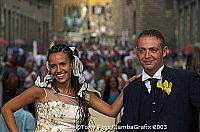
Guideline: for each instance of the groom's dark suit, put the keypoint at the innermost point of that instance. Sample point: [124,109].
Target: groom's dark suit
[179,110]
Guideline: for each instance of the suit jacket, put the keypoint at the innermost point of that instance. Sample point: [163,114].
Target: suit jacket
[178,111]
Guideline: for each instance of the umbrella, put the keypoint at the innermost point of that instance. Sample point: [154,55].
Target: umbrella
[190,48]
[3,41]
[197,44]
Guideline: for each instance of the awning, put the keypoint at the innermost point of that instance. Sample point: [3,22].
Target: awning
[189,48]
[3,41]
[197,44]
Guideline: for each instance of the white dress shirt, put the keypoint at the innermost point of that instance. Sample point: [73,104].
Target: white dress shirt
[157,75]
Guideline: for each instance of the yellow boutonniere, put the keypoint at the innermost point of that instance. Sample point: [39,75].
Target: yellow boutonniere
[166,86]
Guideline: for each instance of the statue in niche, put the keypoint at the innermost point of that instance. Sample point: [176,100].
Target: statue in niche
[84,18]
[72,22]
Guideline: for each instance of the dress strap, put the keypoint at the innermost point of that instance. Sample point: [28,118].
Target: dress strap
[53,89]
[45,94]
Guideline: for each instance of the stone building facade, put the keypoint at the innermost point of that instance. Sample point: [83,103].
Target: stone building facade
[188,22]
[27,20]
[133,16]
[124,16]
[127,17]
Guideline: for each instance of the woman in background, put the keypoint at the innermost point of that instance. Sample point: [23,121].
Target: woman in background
[111,91]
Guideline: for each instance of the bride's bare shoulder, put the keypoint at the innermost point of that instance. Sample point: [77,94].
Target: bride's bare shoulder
[36,91]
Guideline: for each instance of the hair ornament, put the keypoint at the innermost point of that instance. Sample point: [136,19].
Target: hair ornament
[78,70]
[48,79]
[47,66]
[72,48]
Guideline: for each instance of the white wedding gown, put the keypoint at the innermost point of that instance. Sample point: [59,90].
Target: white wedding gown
[58,113]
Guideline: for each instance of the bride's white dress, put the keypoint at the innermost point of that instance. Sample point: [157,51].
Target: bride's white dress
[58,113]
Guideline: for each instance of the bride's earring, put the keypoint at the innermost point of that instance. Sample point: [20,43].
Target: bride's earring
[72,65]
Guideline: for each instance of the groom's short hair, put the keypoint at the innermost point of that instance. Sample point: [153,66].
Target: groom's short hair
[152,33]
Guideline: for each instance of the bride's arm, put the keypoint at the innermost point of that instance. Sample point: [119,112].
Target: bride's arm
[110,110]
[106,109]
[28,96]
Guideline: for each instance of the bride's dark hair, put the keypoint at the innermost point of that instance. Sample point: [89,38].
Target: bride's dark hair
[62,46]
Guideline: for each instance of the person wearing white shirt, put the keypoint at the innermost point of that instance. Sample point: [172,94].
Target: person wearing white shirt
[162,99]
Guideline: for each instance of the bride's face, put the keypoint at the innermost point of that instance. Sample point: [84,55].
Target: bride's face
[60,66]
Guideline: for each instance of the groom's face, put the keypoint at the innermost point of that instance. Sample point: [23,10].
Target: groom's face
[150,53]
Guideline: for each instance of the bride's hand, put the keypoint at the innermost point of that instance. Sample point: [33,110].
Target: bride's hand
[126,83]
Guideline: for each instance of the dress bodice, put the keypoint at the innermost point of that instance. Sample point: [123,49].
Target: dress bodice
[57,113]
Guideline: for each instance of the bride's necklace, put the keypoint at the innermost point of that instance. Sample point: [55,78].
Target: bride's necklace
[66,95]
[68,92]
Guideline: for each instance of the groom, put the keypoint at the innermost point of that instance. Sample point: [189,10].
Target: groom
[162,99]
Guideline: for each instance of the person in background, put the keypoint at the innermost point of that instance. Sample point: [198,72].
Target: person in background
[39,59]
[193,63]
[24,120]
[10,79]
[89,74]
[177,64]
[100,71]
[129,69]
[11,82]
[111,91]
[30,81]
[120,75]
[21,57]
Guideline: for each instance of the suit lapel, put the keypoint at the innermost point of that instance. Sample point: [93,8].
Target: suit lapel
[163,96]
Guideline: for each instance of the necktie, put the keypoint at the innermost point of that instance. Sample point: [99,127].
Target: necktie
[153,82]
